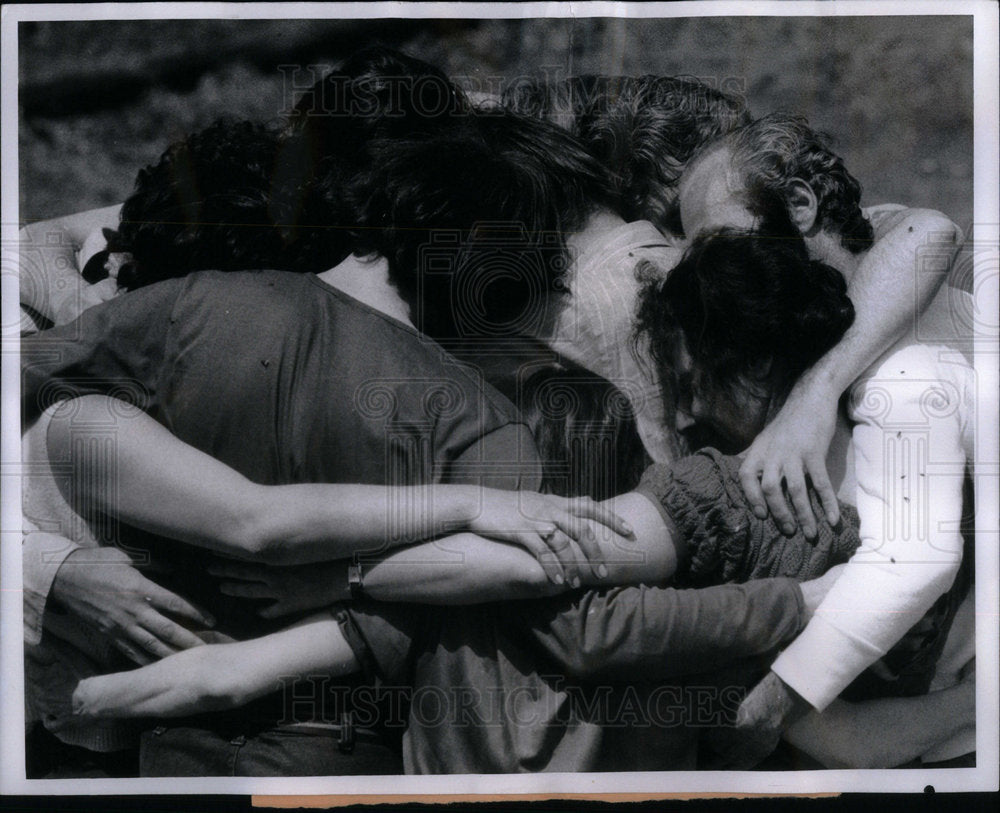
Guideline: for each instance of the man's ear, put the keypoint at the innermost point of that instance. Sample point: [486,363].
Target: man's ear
[802,205]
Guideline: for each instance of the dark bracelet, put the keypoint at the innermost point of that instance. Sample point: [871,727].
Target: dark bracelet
[355,582]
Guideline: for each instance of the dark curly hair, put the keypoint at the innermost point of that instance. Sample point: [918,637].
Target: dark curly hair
[585,432]
[212,201]
[377,90]
[742,303]
[473,219]
[771,152]
[376,93]
[643,129]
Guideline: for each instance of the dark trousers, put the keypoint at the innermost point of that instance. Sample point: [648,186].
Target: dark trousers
[280,751]
[47,757]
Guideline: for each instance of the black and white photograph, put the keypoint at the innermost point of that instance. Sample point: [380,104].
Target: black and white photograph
[495,399]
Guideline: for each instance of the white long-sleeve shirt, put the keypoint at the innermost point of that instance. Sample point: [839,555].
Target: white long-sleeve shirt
[913,415]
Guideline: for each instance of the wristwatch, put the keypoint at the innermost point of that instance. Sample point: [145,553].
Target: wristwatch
[355,581]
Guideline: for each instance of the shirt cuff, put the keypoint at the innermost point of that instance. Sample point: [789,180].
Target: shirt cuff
[42,556]
[813,664]
[381,634]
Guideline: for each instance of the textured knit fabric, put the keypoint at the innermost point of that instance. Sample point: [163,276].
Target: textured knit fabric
[724,541]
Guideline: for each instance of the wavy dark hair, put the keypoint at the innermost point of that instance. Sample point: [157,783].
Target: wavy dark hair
[376,91]
[774,150]
[585,432]
[212,202]
[341,127]
[742,303]
[643,129]
[473,219]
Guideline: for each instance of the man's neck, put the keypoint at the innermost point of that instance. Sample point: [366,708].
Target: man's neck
[827,247]
[367,280]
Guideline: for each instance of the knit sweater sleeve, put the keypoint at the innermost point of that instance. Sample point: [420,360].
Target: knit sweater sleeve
[702,498]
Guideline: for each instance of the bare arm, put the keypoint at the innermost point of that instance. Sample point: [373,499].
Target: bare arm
[96,585]
[895,281]
[460,569]
[446,570]
[887,732]
[160,484]
[157,482]
[217,676]
[49,276]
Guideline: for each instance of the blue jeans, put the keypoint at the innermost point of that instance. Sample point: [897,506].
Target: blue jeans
[279,751]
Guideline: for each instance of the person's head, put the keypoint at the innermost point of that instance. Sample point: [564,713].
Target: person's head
[210,203]
[378,92]
[643,130]
[778,176]
[473,219]
[734,325]
[585,432]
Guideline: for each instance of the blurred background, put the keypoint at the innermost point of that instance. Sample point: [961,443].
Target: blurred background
[99,100]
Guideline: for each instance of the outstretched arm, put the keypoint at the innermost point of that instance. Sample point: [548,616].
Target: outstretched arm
[661,632]
[432,573]
[217,676]
[910,463]
[157,482]
[461,569]
[887,732]
[895,281]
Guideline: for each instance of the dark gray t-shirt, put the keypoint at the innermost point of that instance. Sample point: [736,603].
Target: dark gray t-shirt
[287,380]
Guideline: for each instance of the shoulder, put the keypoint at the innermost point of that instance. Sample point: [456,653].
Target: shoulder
[887,217]
[909,381]
[881,213]
[246,284]
[271,302]
[623,246]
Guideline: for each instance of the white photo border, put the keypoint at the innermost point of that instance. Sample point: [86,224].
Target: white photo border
[987,227]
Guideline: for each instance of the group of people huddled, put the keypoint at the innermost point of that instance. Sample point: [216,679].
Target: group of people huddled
[595,427]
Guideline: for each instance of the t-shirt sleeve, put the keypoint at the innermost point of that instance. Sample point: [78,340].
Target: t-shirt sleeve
[909,463]
[661,632]
[700,496]
[42,555]
[116,348]
[384,637]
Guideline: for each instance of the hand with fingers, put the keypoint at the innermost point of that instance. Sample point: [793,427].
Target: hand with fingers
[290,589]
[769,708]
[102,587]
[559,531]
[57,675]
[789,457]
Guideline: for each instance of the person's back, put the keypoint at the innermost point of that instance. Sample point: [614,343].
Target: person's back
[287,380]
[282,377]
